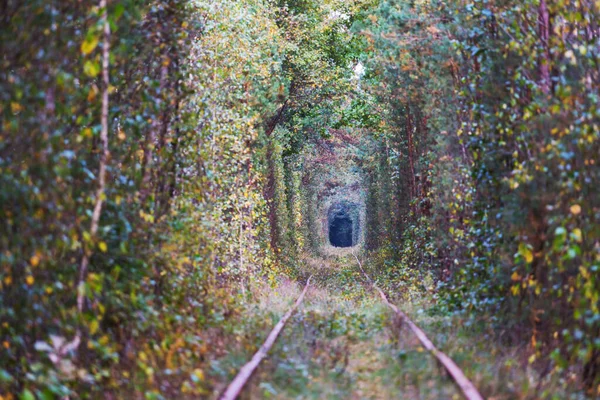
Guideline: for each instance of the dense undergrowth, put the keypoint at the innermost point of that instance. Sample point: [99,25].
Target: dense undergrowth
[502,203]
[165,164]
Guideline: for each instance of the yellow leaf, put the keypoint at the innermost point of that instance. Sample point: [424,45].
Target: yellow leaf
[571,57]
[525,252]
[532,282]
[89,45]
[94,325]
[29,280]
[102,246]
[199,374]
[34,260]
[576,209]
[147,217]
[577,235]
[91,69]
[92,93]
[15,107]
[515,276]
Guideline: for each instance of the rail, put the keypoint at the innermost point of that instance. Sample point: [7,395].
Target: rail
[238,383]
[464,384]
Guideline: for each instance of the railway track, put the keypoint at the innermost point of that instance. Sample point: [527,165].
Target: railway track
[467,388]
[464,384]
[238,383]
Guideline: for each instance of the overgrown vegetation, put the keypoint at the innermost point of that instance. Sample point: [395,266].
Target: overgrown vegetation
[166,166]
[495,107]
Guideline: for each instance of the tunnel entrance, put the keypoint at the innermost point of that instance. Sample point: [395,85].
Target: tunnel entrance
[343,224]
[340,231]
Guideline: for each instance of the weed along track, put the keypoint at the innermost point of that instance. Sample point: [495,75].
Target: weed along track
[466,386]
[236,386]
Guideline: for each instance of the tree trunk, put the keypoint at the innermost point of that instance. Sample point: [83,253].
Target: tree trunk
[411,160]
[544,35]
[269,193]
[103,155]
[100,191]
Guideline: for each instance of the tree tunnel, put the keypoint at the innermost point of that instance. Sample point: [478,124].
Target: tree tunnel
[343,224]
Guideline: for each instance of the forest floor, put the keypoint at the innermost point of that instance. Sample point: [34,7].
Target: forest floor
[344,343]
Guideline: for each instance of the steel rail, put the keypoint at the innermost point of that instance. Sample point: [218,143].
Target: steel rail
[464,384]
[238,383]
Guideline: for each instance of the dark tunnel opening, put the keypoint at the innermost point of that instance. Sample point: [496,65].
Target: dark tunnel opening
[340,231]
[343,224]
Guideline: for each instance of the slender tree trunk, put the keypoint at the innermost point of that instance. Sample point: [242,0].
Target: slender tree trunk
[269,193]
[270,189]
[411,160]
[100,191]
[240,209]
[160,123]
[103,154]
[544,35]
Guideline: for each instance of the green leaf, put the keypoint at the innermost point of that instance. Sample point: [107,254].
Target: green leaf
[559,239]
[119,10]
[5,377]
[27,395]
[46,395]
